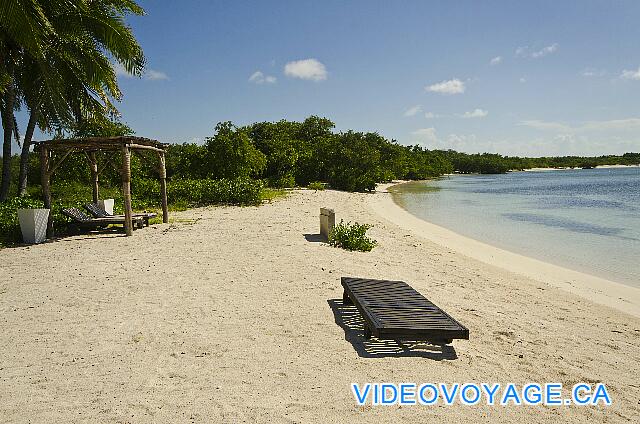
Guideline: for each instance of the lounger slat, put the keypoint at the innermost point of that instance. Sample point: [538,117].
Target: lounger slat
[81,220]
[394,310]
[97,212]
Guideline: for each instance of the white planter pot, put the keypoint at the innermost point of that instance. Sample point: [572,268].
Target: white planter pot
[33,223]
[106,205]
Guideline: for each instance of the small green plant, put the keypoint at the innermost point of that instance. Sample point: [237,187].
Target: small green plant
[316,185]
[352,237]
[237,191]
[270,194]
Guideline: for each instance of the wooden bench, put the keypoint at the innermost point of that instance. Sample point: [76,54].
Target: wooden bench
[394,310]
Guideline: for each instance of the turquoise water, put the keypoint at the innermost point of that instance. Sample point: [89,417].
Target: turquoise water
[586,220]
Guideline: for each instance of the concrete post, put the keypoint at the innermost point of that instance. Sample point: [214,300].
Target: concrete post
[327,222]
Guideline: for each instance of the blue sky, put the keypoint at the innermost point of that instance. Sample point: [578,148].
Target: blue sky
[535,78]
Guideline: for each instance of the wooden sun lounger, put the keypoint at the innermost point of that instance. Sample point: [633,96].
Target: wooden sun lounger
[83,222]
[98,212]
[394,310]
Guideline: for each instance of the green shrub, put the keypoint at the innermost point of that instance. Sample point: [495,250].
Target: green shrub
[353,161]
[283,181]
[239,191]
[231,154]
[145,194]
[351,237]
[269,194]
[9,224]
[316,185]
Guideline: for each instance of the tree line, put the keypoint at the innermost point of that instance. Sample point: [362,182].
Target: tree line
[289,154]
[295,154]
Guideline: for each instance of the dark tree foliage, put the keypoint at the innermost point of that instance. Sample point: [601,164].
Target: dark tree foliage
[288,154]
[230,153]
[279,143]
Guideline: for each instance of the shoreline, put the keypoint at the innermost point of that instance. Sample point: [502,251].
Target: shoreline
[596,289]
[573,169]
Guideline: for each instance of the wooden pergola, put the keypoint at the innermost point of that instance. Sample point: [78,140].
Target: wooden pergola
[124,146]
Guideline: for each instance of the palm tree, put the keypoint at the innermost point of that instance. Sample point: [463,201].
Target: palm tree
[56,58]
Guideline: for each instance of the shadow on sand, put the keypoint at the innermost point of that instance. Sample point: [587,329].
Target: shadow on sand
[67,237]
[315,238]
[348,317]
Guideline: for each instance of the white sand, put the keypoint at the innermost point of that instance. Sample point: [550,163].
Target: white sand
[233,319]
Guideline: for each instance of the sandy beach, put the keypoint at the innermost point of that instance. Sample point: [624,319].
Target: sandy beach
[234,315]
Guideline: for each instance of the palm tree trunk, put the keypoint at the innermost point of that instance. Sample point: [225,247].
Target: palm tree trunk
[7,121]
[24,155]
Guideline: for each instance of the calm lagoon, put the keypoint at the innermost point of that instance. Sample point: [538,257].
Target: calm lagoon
[583,219]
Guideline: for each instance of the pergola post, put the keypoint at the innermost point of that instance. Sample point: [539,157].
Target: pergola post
[163,187]
[126,189]
[94,176]
[46,187]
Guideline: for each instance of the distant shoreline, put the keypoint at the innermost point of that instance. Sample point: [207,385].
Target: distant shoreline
[569,168]
[605,292]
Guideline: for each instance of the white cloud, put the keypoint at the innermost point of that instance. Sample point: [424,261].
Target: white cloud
[496,60]
[460,142]
[632,75]
[428,138]
[552,145]
[592,72]
[413,111]
[149,74]
[523,80]
[545,51]
[307,69]
[152,74]
[521,51]
[256,76]
[524,51]
[561,144]
[476,113]
[120,71]
[259,78]
[453,86]
[543,125]
[425,136]
[608,125]
[612,124]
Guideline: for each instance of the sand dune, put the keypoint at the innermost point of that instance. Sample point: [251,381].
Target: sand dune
[234,315]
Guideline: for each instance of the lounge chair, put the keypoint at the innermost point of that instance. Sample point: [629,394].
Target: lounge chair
[394,310]
[81,221]
[98,212]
